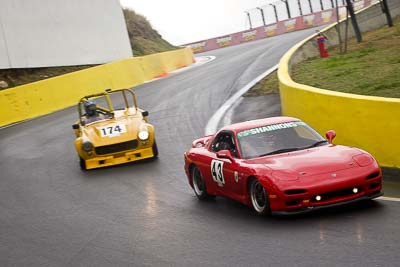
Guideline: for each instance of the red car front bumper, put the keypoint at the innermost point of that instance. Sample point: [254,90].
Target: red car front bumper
[311,193]
[315,208]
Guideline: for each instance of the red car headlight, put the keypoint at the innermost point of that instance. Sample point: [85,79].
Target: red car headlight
[363,160]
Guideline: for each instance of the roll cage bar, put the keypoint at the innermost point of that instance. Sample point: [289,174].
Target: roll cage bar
[107,94]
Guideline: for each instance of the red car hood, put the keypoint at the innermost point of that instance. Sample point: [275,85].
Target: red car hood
[304,163]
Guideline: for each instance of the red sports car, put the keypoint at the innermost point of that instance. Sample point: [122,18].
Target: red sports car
[280,165]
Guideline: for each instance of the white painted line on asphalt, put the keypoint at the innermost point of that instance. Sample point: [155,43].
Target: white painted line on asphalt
[212,124]
[199,61]
[227,120]
[389,199]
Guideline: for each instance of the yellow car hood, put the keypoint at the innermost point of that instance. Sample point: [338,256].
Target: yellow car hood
[111,131]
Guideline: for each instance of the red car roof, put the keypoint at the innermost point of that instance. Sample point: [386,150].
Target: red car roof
[238,127]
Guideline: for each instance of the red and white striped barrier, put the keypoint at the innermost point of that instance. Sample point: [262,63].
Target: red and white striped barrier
[294,24]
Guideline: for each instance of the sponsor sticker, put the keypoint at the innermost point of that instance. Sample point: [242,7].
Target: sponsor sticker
[290,24]
[248,36]
[326,16]
[198,47]
[217,172]
[270,128]
[309,20]
[112,130]
[224,41]
[270,30]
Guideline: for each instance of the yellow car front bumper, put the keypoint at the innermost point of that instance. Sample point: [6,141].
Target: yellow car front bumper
[119,158]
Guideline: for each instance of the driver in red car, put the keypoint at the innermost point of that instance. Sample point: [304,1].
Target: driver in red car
[257,144]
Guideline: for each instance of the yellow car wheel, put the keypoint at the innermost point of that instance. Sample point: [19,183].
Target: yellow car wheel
[155,149]
[82,163]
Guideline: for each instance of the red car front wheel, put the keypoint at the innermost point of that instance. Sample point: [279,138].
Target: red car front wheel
[259,197]
[199,186]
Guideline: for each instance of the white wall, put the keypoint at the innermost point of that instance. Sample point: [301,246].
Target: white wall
[42,33]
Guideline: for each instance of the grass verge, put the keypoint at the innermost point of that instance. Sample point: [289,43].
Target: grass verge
[268,85]
[368,68]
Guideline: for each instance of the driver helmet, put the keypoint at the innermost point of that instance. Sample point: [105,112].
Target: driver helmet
[90,107]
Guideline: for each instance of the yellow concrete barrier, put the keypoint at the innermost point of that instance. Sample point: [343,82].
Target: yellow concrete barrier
[370,123]
[46,96]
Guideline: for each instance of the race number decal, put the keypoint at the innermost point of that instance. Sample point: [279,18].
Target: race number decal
[112,130]
[217,171]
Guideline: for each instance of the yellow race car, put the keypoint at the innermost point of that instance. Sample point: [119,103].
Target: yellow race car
[112,130]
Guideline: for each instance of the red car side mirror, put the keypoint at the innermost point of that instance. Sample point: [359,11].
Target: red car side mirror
[225,154]
[330,135]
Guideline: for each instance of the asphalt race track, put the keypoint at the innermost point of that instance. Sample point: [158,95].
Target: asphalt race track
[145,213]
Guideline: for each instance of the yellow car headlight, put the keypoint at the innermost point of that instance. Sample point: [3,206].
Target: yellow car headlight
[87,146]
[143,135]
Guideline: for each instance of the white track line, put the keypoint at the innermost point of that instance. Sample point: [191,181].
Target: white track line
[389,199]
[212,124]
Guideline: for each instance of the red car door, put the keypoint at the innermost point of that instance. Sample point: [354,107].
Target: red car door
[223,173]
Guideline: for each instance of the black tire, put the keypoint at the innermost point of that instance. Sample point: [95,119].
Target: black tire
[199,186]
[258,197]
[82,163]
[155,149]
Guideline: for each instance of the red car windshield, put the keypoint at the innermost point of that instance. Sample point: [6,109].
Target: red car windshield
[278,138]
